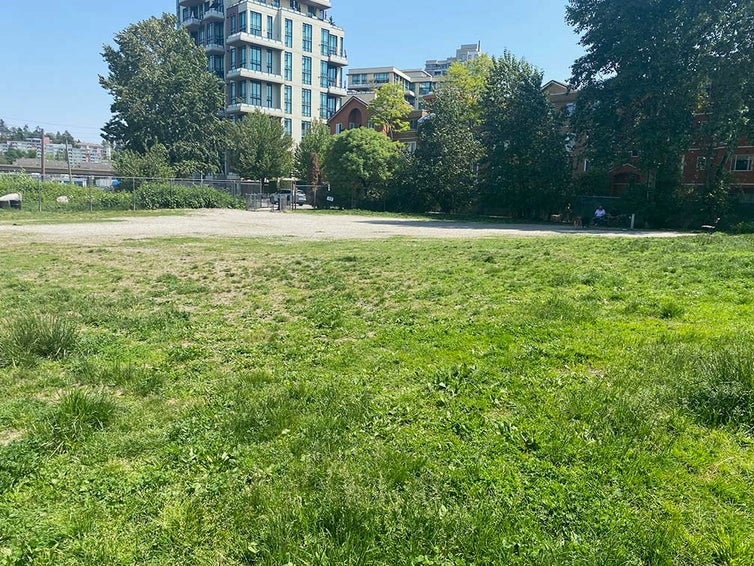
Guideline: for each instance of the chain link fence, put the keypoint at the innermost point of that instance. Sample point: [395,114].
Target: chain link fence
[58,193]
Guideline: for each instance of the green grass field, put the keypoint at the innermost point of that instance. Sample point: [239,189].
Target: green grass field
[536,401]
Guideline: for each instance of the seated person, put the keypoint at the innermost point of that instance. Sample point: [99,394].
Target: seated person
[600,216]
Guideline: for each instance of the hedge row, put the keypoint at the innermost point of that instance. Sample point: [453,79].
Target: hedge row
[151,196]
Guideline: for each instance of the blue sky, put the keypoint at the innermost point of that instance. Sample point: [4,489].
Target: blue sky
[50,63]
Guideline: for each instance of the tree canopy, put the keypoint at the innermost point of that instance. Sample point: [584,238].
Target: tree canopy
[650,68]
[359,165]
[389,109]
[447,154]
[261,148]
[310,153]
[163,94]
[526,166]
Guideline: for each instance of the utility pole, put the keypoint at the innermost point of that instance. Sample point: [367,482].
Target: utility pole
[68,160]
[42,168]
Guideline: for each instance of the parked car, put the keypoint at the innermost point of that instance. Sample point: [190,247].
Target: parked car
[287,194]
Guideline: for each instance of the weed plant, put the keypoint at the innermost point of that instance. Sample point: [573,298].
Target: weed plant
[33,336]
[562,400]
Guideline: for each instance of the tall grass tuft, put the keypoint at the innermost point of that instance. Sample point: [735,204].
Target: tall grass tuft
[76,415]
[721,388]
[37,336]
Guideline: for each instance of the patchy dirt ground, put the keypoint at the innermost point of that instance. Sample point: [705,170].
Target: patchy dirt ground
[245,224]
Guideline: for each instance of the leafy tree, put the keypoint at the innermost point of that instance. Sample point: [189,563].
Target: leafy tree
[389,109]
[310,153]
[261,148]
[447,155]
[360,164]
[527,165]
[151,164]
[469,80]
[649,68]
[12,154]
[163,93]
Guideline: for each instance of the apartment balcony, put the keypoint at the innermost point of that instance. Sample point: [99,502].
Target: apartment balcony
[244,73]
[324,4]
[190,3]
[339,59]
[336,90]
[244,107]
[213,15]
[191,23]
[214,47]
[242,37]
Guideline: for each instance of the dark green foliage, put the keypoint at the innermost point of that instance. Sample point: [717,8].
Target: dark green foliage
[261,150]
[360,165]
[660,77]
[154,163]
[310,153]
[163,94]
[34,336]
[155,195]
[446,160]
[526,167]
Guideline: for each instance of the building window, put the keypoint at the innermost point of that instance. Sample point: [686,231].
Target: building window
[338,128]
[232,93]
[307,38]
[242,57]
[268,95]
[255,24]
[232,58]
[242,91]
[323,74]
[323,106]
[255,93]
[306,102]
[701,163]
[288,66]
[306,70]
[325,45]
[242,21]
[305,127]
[288,126]
[288,33]
[255,59]
[288,100]
[741,163]
[232,24]
[381,78]
[269,61]
[269,27]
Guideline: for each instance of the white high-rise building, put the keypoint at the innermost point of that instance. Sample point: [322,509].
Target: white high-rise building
[285,58]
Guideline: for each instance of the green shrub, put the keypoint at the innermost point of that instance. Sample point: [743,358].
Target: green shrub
[154,196]
[37,336]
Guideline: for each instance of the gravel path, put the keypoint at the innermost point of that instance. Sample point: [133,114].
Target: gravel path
[244,224]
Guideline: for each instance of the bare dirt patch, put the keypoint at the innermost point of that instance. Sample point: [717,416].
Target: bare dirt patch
[245,224]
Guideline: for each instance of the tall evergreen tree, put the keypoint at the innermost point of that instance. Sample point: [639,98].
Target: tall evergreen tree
[447,154]
[526,168]
[261,148]
[310,153]
[163,94]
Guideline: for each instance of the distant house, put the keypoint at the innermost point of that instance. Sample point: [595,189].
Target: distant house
[355,114]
